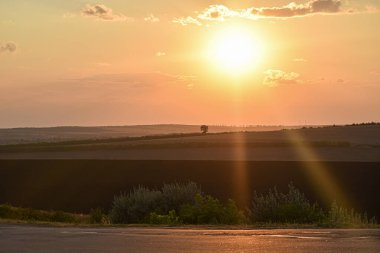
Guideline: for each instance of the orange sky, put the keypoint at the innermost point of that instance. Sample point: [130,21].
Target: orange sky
[191,62]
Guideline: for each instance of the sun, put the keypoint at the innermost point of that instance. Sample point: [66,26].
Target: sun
[235,50]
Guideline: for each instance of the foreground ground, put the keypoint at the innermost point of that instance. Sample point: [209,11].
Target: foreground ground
[50,239]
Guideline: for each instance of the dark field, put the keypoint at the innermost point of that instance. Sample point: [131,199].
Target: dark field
[79,185]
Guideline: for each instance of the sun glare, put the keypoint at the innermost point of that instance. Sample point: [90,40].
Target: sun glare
[235,50]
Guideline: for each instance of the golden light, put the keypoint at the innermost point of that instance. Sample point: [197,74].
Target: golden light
[235,50]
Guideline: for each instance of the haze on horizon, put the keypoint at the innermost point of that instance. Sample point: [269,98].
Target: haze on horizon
[272,62]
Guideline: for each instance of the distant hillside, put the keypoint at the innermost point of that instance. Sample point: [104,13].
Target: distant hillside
[333,143]
[58,134]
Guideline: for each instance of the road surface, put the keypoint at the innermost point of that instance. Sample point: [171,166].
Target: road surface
[21,238]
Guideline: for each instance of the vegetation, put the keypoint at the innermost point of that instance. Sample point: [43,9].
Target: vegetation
[98,217]
[176,195]
[173,204]
[178,203]
[342,217]
[204,129]
[136,206]
[209,210]
[292,207]
[169,219]
[28,214]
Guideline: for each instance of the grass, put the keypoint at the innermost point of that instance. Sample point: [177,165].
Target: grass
[8,212]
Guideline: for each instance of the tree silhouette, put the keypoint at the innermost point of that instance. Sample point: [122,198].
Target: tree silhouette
[204,129]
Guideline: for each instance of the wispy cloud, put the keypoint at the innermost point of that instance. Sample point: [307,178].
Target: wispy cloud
[160,54]
[222,13]
[138,80]
[8,47]
[187,21]
[102,12]
[217,13]
[151,18]
[274,77]
[293,9]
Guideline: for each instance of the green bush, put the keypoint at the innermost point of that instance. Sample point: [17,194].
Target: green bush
[209,210]
[175,195]
[97,216]
[341,217]
[168,219]
[292,207]
[136,206]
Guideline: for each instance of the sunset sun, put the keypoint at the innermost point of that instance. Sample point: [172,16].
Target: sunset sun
[235,51]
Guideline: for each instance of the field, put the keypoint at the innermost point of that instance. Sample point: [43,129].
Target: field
[345,143]
[328,163]
[79,185]
[56,134]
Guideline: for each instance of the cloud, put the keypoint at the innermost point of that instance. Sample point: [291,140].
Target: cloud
[221,12]
[293,9]
[371,9]
[217,13]
[102,12]
[138,80]
[8,47]
[151,18]
[274,78]
[187,21]
[160,54]
[340,80]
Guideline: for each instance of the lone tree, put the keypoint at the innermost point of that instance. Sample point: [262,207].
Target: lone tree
[204,129]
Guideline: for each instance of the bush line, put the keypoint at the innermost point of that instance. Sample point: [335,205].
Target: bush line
[185,203]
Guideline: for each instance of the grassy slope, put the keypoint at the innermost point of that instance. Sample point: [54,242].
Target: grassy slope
[347,136]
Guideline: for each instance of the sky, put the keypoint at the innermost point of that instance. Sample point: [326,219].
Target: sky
[272,62]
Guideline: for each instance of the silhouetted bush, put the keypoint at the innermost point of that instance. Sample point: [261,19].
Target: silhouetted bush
[292,207]
[135,206]
[98,217]
[341,217]
[209,210]
[176,195]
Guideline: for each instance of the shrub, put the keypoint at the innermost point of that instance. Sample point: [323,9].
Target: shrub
[292,207]
[135,206]
[341,217]
[97,216]
[209,210]
[169,219]
[176,195]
